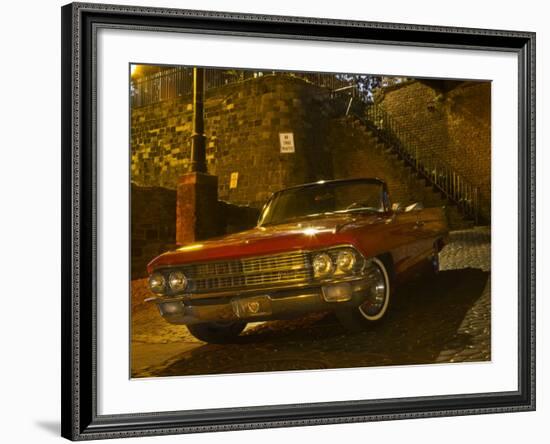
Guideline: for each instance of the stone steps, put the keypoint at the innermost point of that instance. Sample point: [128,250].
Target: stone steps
[432,196]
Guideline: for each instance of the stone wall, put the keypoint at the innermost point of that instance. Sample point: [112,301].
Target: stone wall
[243,122]
[242,125]
[356,153]
[153,225]
[237,218]
[454,125]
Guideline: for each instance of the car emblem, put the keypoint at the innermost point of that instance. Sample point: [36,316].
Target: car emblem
[254,306]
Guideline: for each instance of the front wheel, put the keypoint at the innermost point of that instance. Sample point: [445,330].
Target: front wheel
[217,332]
[376,301]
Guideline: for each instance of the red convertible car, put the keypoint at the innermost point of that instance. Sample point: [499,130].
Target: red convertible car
[334,245]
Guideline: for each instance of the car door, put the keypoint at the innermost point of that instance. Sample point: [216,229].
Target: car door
[418,230]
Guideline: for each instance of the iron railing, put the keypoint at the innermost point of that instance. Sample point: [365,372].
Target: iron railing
[178,81]
[428,166]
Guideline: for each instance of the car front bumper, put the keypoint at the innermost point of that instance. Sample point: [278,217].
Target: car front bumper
[262,306]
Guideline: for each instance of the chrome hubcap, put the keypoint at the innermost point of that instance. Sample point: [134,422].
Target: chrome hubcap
[376,293]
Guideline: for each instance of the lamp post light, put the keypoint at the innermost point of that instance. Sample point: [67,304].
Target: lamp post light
[198,139]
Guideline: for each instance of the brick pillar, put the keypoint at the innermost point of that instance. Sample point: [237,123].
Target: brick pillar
[197,215]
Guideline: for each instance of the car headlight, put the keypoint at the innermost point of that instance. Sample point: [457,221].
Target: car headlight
[339,261]
[345,261]
[177,281]
[157,283]
[322,265]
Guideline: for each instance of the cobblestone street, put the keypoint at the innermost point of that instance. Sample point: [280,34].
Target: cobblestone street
[446,319]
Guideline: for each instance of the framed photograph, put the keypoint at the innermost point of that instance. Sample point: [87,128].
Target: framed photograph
[280,221]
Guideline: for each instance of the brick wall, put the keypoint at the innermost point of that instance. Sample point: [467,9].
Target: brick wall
[455,125]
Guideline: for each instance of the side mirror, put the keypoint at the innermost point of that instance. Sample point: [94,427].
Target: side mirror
[414,207]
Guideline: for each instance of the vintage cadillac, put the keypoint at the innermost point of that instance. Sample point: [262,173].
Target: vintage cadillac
[335,245]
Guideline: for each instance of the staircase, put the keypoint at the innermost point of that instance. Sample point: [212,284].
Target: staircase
[403,145]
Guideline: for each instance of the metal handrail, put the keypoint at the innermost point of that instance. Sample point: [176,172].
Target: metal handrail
[407,146]
[174,82]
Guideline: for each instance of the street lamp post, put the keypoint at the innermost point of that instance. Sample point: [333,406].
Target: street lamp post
[198,139]
[197,208]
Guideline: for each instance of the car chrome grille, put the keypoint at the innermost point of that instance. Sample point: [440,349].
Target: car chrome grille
[275,270]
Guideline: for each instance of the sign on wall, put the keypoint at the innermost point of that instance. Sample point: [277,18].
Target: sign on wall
[286,141]
[233,180]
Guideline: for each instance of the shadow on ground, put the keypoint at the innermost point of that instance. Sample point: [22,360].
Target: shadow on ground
[422,321]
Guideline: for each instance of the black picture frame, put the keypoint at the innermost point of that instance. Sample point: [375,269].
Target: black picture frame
[79,386]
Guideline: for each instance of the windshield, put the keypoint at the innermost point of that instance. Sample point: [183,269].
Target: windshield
[323,198]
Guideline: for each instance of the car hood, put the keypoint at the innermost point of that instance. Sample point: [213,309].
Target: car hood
[304,234]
